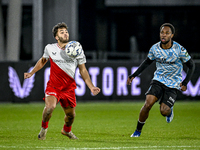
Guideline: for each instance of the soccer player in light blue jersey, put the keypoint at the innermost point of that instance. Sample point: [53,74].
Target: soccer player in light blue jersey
[170,57]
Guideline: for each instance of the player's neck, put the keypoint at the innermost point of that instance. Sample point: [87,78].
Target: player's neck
[62,45]
[167,45]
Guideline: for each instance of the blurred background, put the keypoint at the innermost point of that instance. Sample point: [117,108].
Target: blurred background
[114,32]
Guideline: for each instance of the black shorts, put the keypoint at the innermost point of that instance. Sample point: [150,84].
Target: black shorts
[163,93]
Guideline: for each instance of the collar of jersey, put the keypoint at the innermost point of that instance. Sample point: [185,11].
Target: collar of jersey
[60,47]
[168,48]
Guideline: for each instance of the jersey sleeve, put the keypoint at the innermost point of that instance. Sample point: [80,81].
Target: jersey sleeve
[184,56]
[81,59]
[150,54]
[46,54]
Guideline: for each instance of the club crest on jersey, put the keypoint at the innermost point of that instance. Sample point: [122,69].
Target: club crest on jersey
[170,54]
[163,61]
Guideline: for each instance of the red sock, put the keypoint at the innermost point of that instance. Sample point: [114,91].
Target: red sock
[67,129]
[45,124]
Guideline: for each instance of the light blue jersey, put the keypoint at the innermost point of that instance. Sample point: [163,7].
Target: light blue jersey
[169,63]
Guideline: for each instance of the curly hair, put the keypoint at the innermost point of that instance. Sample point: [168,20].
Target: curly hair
[168,25]
[58,26]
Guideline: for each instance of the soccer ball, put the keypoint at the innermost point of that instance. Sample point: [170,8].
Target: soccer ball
[73,49]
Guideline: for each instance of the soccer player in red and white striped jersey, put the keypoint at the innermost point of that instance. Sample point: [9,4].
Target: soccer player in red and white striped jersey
[61,86]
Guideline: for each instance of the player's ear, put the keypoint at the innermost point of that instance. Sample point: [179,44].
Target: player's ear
[56,37]
[172,35]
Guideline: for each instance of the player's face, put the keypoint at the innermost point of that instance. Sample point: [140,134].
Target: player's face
[165,35]
[62,35]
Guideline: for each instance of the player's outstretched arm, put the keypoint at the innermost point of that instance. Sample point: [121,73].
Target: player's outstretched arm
[39,65]
[129,80]
[142,66]
[85,75]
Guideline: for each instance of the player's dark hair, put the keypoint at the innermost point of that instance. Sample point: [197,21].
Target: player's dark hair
[168,25]
[58,26]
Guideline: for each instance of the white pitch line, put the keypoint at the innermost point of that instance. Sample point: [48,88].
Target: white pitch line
[96,148]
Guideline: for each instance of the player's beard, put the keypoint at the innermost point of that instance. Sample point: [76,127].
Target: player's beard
[63,40]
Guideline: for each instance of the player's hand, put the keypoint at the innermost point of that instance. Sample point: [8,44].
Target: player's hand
[183,87]
[27,75]
[95,90]
[129,80]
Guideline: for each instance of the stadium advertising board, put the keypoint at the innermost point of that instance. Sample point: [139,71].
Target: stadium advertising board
[110,77]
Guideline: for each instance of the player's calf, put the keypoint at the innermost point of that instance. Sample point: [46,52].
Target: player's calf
[165,110]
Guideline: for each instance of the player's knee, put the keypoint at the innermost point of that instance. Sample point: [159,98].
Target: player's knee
[49,109]
[147,106]
[70,115]
[150,100]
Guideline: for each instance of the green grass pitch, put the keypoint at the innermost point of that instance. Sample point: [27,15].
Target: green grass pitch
[106,125]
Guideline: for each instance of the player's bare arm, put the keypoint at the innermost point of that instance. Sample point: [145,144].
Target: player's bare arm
[39,65]
[85,75]
[129,80]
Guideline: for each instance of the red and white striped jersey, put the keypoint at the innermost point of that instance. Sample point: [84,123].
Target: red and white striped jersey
[62,70]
